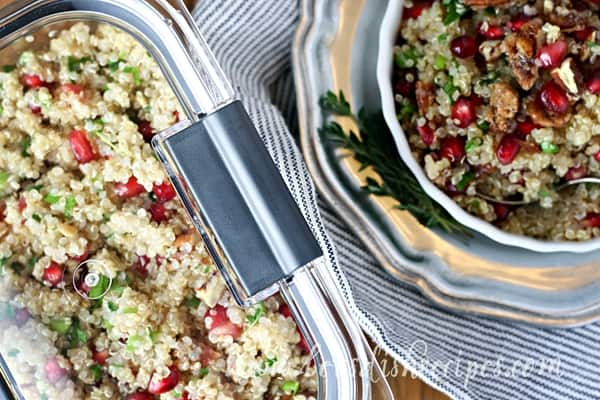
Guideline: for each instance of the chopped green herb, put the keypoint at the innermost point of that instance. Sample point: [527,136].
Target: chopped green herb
[450,89]
[484,126]
[37,188]
[60,325]
[130,310]
[32,261]
[192,302]
[69,206]
[290,387]
[176,393]
[133,342]
[442,38]
[114,65]
[8,68]
[543,193]
[36,217]
[153,335]
[592,44]
[269,362]
[3,178]
[51,199]
[489,78]
[203,372]
[464,181]
[96,370]
[112,306]
[455,9]
[549,148]
[76,335]
[407,58]
[135,73]
[439,62]
[107,325]
[407,110]
[74,63]
[259,311]
[100,289]
[206,269]
[25,144]
[490,10]
[148,109]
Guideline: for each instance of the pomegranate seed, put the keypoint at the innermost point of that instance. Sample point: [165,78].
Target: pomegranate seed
[176,116]
[53,274]
[129,189]
[592,220]
[426,133]
[404,87]
[576,173]
[553,98]
[140,396]
[22,204]
[517,23]
[453,148]
[583,34]
[165,384]
[146,130]
[551,55]
[501,211]
[101,356]
[54,372]
[21,316]
[2,211]
[597,156]
[32,81]
[164,192]
[593,83]
[82,147]
[463,112]
[141,264]
[490,32]
[508,149]
[218,323]
[35,109]
[185,396]
[158,212]
[159,259]
[416,10]
[463,46]
[71,88]
[524,128]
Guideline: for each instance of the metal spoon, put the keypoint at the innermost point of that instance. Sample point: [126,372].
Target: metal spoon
[525,202]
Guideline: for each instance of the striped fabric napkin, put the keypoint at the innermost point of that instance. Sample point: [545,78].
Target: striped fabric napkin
[467,357]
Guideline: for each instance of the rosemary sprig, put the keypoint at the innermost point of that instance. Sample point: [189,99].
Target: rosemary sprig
[374,147]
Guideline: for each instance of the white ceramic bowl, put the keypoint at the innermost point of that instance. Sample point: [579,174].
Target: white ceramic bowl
[387,38]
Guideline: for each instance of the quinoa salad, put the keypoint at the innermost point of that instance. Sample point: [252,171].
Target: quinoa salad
[503,98]
[107,291]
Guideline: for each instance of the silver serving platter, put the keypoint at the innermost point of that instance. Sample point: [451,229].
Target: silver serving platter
[336,48]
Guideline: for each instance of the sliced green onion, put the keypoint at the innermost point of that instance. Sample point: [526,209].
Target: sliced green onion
[464,181]
[442,38]
[439,62]
[407,59]
[36,217]
[450,89]
[133,342]
[60,325]
[130,310]
[203,372]
[484,126]
[25,144]
[406,110]
[69,206]
[135,73]
[74,64]
[8,68]
[192,302]
[51,199]
[543,193]
[112,306]
[549,148]
[259,311]
[96,370]
[3,178]
[290,387]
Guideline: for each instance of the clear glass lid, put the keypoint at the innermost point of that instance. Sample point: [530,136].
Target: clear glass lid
[115,280]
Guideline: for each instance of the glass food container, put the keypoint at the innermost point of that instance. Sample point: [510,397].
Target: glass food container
[106,290]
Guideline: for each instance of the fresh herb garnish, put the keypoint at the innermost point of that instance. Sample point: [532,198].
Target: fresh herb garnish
[407,58]
[3,178]
[96,370]
[60,325]
[375,148]
[407,110]
[8,68]
[76,335]
[135,73]
[69,206]
[484,126]
[74,63]
[114,65]
[51,199]
[450,89]
[489,78]
[36,217]
[25,144]
[465,180]
[112,306]
[455,9]
[259,311]
[442,38]
[439,62]
[203,372]
[549,148]
[290,387]
[192,302]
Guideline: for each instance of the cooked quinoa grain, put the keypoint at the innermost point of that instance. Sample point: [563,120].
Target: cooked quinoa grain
[106,290]
[511,92]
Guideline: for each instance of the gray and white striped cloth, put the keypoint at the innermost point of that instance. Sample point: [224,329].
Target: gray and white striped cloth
[468,357]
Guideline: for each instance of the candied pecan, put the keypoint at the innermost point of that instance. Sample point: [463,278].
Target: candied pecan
[504,101]
[568,76]
[571,20]
[425,96]
[540,117]
[521,49]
